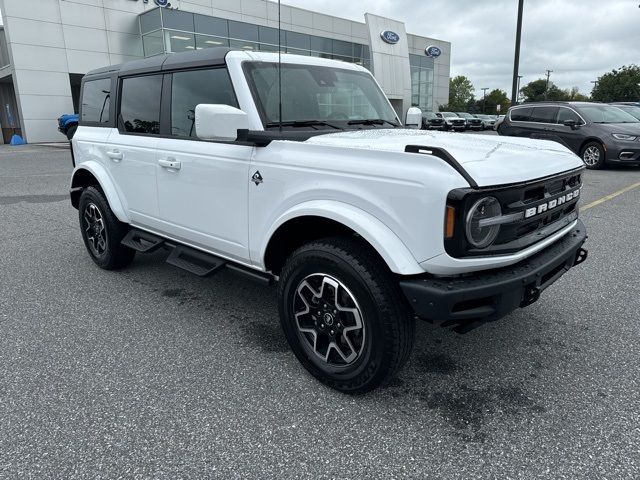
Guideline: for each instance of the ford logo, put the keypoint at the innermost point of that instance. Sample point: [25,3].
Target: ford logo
[163,3]
[390,37]
[433,51]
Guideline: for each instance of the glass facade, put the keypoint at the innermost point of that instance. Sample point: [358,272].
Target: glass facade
[166,31]
[421,82]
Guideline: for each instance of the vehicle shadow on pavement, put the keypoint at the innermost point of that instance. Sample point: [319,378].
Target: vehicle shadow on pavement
[472,382]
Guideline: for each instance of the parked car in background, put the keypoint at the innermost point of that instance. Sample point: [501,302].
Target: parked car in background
[67,124]
[488,121]
[431,121]
[631,109]
[453,121]
[599,133]
[499,120]
[471,122]
[634,104]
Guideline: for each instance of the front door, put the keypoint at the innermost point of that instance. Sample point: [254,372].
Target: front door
[203,186]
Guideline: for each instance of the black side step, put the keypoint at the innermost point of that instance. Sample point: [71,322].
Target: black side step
[195,261]
[140,241]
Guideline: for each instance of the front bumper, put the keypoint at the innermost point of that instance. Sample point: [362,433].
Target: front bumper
[627,153]
[467,302]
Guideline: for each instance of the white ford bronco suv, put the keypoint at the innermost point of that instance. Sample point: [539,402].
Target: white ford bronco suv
[364,225]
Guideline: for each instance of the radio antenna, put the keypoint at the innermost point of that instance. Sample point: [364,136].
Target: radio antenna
[279,71]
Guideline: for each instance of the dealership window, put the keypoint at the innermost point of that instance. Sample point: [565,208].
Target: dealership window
[153,43]
[190,89]
[179,41]
[96,101]
[140,104]
[182,31]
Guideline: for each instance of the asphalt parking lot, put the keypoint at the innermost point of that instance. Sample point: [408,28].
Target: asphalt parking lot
[155,373]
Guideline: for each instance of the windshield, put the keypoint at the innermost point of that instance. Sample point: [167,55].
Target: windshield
[465,115]
[631,110]
[318,96]
[606,114]
[429,115]
[449,115]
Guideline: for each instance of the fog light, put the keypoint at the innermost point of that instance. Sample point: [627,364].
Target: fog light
[482,237]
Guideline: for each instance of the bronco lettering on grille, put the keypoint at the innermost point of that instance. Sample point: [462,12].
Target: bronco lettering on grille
[556,202]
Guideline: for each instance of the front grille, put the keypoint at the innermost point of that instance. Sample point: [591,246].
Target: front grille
[532,212]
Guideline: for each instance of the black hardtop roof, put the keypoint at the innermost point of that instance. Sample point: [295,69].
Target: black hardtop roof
[169,61]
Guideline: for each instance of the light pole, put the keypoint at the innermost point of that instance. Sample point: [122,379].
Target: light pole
[546,90]
[518,90]
[484,100]
[516,58]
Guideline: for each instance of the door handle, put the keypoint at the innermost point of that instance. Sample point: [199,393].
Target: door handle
[115,155]
[171,163]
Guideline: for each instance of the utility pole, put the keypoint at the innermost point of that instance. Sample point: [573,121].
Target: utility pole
[484,100]
[516,59]
[518,90]
[546,90]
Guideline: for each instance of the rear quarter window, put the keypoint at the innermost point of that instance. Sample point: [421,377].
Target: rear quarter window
[96,101]
[521,114]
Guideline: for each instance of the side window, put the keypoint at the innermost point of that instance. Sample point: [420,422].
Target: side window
[140,104]
[521,114]
[568,114]
[195,87]
[544,114]
[96,101]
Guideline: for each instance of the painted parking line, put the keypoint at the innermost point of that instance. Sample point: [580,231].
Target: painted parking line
[609,197]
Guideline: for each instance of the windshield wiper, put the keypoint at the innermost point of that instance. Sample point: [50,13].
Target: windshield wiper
[371,121]
[303,123]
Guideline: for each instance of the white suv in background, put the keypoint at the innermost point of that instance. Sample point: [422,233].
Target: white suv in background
[363,224]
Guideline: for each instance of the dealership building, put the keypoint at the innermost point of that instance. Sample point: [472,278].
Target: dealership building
[47,45]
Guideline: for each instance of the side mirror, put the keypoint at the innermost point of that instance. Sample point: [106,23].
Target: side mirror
[219,122]
[414,118]
[571,123]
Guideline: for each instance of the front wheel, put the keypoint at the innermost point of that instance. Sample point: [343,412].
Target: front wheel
[344,315]
[102,232]
[593,155]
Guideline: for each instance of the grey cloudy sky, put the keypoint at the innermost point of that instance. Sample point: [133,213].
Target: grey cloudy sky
[578,39]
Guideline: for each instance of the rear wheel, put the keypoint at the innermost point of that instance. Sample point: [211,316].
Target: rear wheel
[102,232]
[343,314]
[593,155]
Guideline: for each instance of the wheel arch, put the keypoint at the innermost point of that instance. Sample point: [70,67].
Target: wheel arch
[316,220]
[92,174]
[589,140]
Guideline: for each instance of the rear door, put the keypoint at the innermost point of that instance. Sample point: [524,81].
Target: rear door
[542,122]
[202,186]
[132,147]
[519,122]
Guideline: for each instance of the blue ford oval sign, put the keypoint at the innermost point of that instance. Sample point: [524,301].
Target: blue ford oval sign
[390,37]
[433,51]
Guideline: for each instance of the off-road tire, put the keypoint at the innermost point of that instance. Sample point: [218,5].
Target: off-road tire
[113,255]
[389,325]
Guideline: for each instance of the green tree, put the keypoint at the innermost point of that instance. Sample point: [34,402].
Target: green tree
[460,94]
[537,91]
[619,85]
[495,97]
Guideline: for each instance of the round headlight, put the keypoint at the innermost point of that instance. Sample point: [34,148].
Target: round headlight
[481,236]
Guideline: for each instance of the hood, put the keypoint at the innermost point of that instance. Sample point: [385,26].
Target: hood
[628,128]
[489,160]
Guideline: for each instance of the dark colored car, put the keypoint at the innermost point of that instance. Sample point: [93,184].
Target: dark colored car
[431,121]
[67,124]
[598,132]
[470,121]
